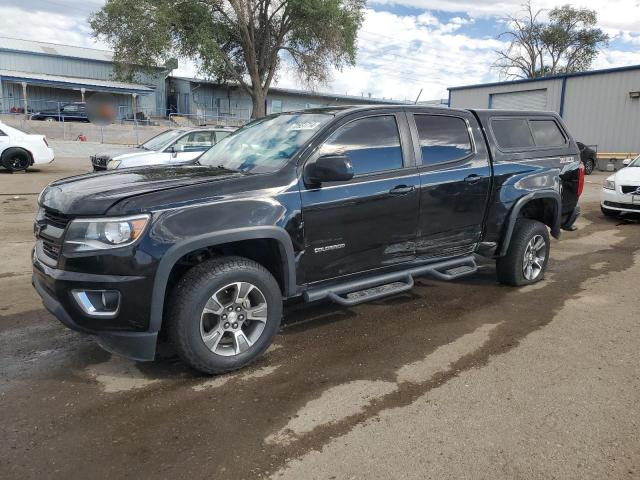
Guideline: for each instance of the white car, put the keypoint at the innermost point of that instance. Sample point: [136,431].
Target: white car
[172,147]
[621,191]
[20,150]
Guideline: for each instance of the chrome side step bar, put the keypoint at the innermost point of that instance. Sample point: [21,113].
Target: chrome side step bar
[372,288]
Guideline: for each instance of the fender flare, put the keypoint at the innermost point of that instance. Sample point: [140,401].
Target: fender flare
[515,211]
[180,249]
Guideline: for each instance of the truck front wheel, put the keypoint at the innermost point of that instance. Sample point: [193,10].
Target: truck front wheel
[224,314]
[528,254]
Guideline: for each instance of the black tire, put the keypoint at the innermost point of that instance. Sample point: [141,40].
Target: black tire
[192,293]
[16,159]
[589,165]
[510,268]
[609,213]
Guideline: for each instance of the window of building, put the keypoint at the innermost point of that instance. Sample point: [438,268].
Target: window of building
[546,133]
[512,133]
[442,138]
[371,143]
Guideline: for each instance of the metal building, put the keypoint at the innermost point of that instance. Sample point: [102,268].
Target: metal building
[600,107]
[41,75]
[192,96]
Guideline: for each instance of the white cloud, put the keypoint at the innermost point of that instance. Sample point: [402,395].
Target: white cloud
[621,15]
[397,56]
[46,26]
[400,55]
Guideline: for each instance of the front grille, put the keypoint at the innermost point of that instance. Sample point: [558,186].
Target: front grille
[49,230]
[99,161]
[51,249]
[628,206]
[629,188]
[57,220]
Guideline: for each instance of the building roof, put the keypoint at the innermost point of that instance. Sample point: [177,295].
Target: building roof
[304,93]
[54,49]
[554,77]
[75,82]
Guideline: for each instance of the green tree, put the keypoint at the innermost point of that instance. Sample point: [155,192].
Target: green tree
[241,41]
[567,42]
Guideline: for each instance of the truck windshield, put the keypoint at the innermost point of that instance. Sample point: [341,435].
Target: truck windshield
[159,141]
[265,145]
[636,162]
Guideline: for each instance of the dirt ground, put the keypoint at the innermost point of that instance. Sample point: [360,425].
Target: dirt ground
[467,379]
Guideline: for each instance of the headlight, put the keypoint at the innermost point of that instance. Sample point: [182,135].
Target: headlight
[113,164]
[91,234]
[609,184]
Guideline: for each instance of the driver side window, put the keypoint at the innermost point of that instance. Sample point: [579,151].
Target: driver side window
[371,143]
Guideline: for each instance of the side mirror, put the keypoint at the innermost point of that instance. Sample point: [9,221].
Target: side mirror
[328,168]
[626,161]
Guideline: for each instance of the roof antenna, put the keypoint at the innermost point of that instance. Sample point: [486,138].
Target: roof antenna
[418,97]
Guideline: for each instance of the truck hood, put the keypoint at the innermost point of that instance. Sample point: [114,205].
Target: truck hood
[628,176]
[94,194]
[140,153]
[117,151]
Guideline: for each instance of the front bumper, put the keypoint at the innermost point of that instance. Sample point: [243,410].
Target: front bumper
[620,202]
[114,335]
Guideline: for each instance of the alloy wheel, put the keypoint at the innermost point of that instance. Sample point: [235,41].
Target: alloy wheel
[535,255]
[19,162]
[233,318]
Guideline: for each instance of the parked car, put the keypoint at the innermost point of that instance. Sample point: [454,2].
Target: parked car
[172,147]
[588,156]
[621,191]
[346,204]
[20,150]
[71,112]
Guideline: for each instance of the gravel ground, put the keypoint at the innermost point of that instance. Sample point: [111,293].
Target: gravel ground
[467,379]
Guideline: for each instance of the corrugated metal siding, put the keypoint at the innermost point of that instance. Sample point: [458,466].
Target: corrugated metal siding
[83,68]
[46,48]
[45,98]
[206,97]
[479,97]
[599,111]
[597,108]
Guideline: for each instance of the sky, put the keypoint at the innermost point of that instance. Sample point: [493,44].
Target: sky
[404,46]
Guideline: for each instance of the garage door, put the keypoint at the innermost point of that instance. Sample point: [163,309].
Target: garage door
[527,100]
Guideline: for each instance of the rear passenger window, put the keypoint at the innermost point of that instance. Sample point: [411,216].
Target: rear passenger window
[442,138]
[372,144]
[512,133]
[546,133]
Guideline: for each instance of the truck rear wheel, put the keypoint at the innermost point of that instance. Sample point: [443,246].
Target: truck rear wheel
[224,314]
[528,254]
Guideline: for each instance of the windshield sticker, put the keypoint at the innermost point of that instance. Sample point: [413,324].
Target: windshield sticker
[304,126]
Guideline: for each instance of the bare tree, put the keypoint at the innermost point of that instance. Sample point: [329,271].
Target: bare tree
[568,42]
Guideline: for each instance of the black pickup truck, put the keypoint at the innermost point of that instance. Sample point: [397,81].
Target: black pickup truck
[347,204]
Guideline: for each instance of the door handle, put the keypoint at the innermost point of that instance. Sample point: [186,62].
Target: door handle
[402,189]
[473,178]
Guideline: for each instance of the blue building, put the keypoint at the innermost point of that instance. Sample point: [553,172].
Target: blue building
[44,74]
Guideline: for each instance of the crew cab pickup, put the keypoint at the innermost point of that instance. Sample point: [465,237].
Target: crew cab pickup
[346,204]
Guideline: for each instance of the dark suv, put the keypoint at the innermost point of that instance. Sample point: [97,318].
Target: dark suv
[70,112]
[345,204]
